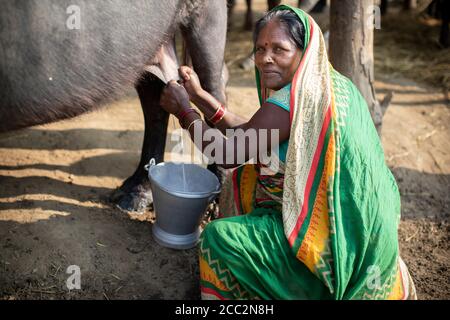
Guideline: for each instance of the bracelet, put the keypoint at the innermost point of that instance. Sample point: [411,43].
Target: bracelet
[220,113]
[181,115]
[189,127]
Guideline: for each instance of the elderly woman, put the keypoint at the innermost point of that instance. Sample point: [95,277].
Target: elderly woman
[324,225]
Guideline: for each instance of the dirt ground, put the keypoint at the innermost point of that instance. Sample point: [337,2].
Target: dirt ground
[55,181]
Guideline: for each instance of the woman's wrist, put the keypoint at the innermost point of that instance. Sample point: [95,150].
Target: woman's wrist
[198,97]
[206,103]
[189,118]
[218,115]
[185,115]
[184,112]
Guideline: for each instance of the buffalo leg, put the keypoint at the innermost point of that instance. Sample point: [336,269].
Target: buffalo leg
[308,5]
[207,59]
[383,6]
[248,24]
[319,7]
[444,35]
[205,40]
[230,9]
[134,194]
[272,4]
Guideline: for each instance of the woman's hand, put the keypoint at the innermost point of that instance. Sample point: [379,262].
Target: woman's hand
[190,81]
[174,98]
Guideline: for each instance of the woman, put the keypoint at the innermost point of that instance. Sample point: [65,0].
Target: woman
[324,226]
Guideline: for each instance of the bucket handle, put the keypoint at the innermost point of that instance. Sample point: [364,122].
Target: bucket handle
[151,163]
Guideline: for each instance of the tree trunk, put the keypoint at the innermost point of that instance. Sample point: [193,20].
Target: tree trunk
[351,49]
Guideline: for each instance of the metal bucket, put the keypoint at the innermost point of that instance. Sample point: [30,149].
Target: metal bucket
[180,200]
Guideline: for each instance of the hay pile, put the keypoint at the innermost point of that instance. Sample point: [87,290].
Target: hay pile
[408,45]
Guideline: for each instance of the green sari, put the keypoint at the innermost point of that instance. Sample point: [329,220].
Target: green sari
[324,225]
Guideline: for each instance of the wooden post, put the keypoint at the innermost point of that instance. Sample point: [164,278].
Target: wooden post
[351,49]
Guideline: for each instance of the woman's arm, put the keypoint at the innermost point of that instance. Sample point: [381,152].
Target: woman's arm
[267,123]
[206,103]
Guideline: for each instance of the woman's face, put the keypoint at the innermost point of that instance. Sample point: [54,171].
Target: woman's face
[276,56]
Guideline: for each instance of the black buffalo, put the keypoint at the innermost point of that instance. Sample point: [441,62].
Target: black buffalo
[61,58]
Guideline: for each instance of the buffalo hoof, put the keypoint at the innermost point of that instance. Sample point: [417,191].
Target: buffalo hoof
[133,196]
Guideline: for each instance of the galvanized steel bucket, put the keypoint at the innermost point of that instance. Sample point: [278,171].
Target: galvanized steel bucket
[180,200]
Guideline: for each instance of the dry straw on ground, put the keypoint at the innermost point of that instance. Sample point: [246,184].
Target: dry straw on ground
[407,45]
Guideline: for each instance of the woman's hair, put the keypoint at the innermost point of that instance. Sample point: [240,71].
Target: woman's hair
[289,20]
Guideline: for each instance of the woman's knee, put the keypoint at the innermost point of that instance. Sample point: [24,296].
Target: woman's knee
[215,229]
[223,234]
